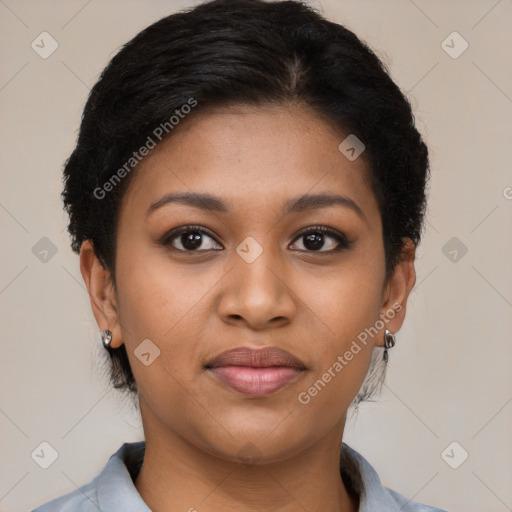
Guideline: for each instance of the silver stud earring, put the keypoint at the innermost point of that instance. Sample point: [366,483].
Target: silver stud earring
[106,339]
[389,342]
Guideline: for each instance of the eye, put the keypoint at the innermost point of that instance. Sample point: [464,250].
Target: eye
[189,239]
[314,240]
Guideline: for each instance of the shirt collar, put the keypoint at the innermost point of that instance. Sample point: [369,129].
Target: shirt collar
[116,490]
[373,495]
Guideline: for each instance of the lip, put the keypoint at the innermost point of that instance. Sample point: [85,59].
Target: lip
[256,373]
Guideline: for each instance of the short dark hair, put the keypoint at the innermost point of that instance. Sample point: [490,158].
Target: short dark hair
[249,52]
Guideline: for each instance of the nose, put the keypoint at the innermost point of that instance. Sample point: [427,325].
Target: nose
[258,294]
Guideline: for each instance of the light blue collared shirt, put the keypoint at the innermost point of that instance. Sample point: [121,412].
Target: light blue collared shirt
[113,490]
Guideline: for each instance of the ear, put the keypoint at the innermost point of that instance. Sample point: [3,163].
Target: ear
[397,290]
[101,292]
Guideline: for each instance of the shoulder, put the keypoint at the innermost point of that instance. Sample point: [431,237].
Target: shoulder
[111,489]
[374,496]
[406,505]
[84,499]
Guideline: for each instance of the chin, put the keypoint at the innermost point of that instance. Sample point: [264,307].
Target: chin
[258,446]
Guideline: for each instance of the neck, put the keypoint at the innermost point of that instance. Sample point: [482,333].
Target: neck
[177,475]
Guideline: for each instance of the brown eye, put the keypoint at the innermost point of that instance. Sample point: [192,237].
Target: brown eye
[190,239]
[322,239]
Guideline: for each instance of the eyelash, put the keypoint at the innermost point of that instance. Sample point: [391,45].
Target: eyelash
[343,242]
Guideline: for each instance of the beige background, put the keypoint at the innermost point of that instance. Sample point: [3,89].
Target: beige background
[450,374]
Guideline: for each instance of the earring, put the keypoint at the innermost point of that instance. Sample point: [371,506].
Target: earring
[389,342]
[106,339]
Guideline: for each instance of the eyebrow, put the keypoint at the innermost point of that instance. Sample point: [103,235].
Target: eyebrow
[216,204]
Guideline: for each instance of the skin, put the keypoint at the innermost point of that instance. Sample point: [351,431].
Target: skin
[195,305]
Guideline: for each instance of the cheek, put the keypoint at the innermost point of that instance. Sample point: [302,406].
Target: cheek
[341,354]
[347,302]
[343,334]
[168,305]
[155,295]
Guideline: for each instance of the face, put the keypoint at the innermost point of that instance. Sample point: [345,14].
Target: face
[258,263]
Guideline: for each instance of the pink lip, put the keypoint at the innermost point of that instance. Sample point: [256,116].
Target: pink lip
[256,373]
[256,382]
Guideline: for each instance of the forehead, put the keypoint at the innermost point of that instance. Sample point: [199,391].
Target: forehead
[256,155]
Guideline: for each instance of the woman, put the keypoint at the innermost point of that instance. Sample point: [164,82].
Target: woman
[246,195]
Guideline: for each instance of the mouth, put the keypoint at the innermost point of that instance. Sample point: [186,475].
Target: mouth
[256,373]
